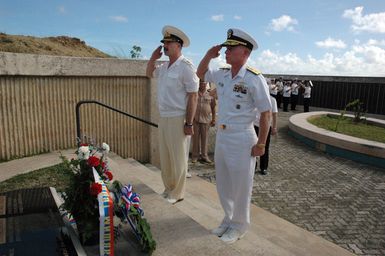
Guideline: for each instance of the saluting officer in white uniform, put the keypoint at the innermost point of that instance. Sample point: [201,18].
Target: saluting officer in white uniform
[240,91]
[177,99]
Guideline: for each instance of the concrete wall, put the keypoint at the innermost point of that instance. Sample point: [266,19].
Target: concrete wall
[38,95]
[357,149]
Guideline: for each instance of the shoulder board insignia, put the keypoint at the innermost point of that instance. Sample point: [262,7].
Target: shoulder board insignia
[254,71]
[187,61]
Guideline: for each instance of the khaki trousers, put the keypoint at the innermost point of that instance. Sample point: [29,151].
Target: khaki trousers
[173,160]
[199,140]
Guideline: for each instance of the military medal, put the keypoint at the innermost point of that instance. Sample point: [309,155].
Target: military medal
[240,87]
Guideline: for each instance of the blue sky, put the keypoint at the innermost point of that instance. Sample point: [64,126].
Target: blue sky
[312,37]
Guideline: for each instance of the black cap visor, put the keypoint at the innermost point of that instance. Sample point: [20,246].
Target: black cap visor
[172,38]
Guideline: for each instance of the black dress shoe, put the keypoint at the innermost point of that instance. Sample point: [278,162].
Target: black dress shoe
[263,172]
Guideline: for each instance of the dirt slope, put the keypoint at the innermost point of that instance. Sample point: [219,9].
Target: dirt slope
[60,45]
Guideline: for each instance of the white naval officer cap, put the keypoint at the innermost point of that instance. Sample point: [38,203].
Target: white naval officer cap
[173,34]
[237,36]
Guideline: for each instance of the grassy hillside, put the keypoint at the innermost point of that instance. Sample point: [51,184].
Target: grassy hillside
[60,45]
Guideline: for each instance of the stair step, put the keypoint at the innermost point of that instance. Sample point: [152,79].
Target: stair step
[268,234]
[184,228]
[175,232]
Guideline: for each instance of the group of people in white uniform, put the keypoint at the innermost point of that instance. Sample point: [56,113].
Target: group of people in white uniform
[243,95]
[289,91]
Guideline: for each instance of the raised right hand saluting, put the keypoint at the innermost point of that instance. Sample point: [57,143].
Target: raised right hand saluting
[157,53]
[213,52]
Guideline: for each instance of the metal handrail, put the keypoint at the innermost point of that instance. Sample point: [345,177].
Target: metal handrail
[106,106]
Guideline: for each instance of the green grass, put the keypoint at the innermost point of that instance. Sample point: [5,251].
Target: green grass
[55,176]
[346,126]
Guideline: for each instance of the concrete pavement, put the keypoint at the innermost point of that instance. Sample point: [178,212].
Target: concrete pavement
[330,197]
[337,199]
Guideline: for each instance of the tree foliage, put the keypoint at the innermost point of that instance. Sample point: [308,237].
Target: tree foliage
[135,52]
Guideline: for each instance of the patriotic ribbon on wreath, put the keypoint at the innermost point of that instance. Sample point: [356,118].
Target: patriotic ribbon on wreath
[106,219]
[131,198]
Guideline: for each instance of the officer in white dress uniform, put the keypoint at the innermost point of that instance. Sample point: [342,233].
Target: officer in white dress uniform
[177,85]
[240,91]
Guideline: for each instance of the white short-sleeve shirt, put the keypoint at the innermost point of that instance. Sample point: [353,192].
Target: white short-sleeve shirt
[286,91]
[294,89]
[174,83]
[307,92]
[239,97]
[274,89]
[274,109]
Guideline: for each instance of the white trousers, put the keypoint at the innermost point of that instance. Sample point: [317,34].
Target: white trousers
[234,174]
[173,156]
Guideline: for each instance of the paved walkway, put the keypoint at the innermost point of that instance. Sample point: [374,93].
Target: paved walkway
[337,199]
[184,228]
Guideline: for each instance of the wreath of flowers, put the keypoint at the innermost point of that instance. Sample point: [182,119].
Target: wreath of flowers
[80,197]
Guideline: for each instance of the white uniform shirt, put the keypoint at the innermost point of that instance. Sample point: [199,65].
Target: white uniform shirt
[274,89]
[307,92]
[239,97]
[287,91]
[294,89]
[279,86]
[274,109]
[174,83]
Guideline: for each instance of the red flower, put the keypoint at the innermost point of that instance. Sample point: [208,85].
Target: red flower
[109,175]
[93,161]
[84,145]
[95,189]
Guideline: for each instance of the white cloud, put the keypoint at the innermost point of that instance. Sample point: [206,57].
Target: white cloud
[376,42]
[62,10]
[366,59]
[284,22]
[331,43]
[374,22]
[119,18]
[218,62]
[237,17]
[218,17]
[371,54]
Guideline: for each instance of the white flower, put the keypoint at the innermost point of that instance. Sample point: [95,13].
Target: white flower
[105,147]
[84,153]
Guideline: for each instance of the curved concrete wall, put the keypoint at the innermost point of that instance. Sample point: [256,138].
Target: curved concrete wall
[361,150]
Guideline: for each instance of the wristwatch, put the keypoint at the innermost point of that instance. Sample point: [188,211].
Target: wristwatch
[260,145]
[188,125]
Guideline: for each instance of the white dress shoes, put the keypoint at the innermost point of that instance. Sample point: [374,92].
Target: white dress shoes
[174,201]
[231,235]
[219,231]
